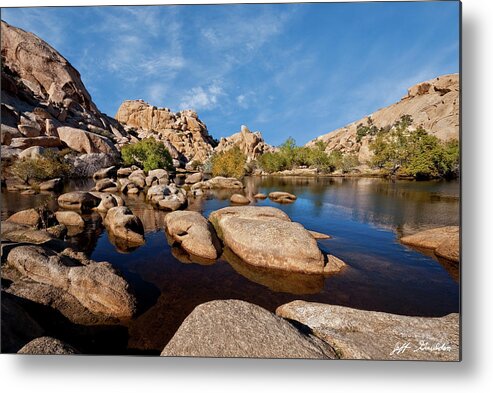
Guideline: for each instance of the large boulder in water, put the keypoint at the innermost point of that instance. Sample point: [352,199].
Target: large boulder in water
[359,334]
[78,200]
[122,223]
[96,285]
[234,328]
[192,232]
[265,236]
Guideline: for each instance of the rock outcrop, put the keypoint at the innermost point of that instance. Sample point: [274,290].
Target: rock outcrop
[358,334]
[45,103]
[184,134]
[433,105]
[234,328]
[251,144]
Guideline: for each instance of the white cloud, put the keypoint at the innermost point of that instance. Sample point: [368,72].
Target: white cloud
[200,98]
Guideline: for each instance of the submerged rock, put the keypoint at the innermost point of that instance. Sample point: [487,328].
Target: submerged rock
[234,328]
[265,236]
[193,233]
[358,334]
[47,346]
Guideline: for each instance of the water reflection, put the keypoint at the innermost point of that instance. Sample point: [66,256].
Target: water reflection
[364,216]
[276,280]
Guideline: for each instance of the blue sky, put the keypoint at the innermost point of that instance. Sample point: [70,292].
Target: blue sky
[297,70]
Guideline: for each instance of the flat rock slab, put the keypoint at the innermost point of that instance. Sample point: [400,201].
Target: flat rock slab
[358,334]
[234,328]
[444,241]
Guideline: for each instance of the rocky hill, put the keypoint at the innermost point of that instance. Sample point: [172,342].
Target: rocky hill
[46,105]
[433,105]
[184,134]
[250,143]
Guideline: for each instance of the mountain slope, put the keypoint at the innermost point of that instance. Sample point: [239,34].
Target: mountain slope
[433,105]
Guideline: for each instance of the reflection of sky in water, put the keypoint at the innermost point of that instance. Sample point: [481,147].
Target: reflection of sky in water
[365,218]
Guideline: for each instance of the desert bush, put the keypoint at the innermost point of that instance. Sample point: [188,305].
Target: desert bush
[147,154]
[229,163]
[51,164]
[414,153]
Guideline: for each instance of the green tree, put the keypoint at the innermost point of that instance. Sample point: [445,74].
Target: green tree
[230,163]
[147,154]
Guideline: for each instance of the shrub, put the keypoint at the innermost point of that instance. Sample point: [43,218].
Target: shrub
[349,162]
[51,164]
[147,154]
[414,153]
[229,163]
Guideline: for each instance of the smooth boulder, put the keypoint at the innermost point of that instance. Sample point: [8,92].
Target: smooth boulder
[78,200]
[122,223]
[265,236]
[192,232]
[234,328]
[239,199]
[359,334]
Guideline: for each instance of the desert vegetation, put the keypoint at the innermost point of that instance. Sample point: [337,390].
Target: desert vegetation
[147,154]
[410,152]
[50,164]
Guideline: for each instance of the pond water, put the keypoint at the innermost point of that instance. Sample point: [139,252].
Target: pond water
[365,217]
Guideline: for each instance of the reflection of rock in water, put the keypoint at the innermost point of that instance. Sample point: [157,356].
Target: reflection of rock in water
[276,280]
[86,240]
[121,244]
[184,257]
[152,219]
[452,268]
